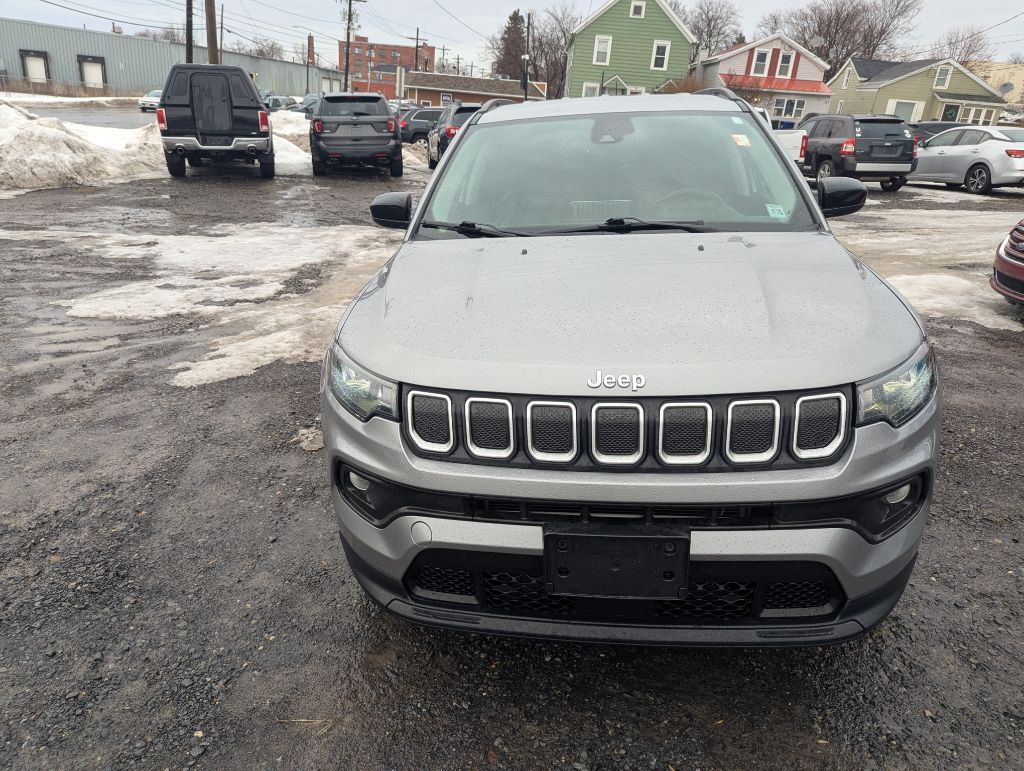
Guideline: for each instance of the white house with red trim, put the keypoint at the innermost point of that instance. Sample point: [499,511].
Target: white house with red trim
[775,73]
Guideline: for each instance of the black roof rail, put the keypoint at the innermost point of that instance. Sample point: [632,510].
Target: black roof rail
[726,93]
[492,104]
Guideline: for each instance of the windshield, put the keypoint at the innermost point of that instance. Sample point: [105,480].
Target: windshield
[1013,134]
[877,129]
[718,169]
[154,93]
[358,106]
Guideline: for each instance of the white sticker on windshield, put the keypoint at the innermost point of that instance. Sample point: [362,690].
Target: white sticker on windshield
[775,211]
[737,120]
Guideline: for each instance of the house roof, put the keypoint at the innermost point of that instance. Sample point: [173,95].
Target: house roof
[868,68]
[875,73]
[484,86]
[897,70]
[945,96]
[735,49]
[673,17]
[759,83]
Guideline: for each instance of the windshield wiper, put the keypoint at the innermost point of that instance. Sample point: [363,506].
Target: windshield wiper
[472,229]
[631,224]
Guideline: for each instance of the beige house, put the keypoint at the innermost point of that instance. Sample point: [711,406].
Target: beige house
[927,89]
[998,73]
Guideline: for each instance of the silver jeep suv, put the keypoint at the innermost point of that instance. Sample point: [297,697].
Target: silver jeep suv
[620,382]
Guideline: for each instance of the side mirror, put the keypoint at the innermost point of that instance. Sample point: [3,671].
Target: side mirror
[839,196]
[394,210]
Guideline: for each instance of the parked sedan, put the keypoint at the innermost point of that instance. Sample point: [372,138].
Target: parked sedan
[929,128]
[1008,272]
[275,102]
[150,101]
[977,157]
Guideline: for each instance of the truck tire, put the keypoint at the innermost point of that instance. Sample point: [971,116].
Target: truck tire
[978,179]
[267,167]
[396,168]
[319,168]
[893,184]
[431,163]
[176,165]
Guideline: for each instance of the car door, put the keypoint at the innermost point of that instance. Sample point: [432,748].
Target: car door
[964,153]
[932,156]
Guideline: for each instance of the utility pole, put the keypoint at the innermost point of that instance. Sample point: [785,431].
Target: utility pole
[188,31]
[416,64]
[309,58]
[212,54]
[526,60]
[458,64]
[348,38]
[471,68]
[443,50]
[222,32]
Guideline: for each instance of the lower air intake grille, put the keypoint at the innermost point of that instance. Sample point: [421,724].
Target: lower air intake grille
[522,593]
[797,594]
[431,579]
[712,600]
[1015,285]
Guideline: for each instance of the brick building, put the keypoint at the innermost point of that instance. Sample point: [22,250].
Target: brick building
[367,57]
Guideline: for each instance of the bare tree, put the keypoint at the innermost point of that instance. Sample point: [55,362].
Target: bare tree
[171,34]
[549,45]
[264,47]
[1016,58]
[715,24]
[845,28]
[968,45]
[678,8]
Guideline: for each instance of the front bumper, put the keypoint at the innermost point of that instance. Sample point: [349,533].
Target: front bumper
[871,577]
[1008,277]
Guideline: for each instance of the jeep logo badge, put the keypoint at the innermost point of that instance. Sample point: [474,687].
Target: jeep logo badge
[635,382]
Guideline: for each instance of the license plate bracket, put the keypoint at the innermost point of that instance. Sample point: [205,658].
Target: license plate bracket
[626,563]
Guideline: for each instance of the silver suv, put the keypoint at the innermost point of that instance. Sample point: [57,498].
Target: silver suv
[620,382]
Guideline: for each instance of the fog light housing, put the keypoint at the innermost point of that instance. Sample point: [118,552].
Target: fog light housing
[898,495]
[362,484]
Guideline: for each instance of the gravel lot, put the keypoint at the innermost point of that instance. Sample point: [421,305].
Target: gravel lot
[172,589]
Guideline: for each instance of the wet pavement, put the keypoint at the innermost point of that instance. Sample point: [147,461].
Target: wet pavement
[172,588]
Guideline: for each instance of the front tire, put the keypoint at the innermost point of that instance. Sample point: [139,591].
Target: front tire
[978,180]
[267,169]
[825,169]
[176,165]
[893,184]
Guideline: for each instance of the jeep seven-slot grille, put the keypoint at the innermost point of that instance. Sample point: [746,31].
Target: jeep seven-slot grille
[718,433]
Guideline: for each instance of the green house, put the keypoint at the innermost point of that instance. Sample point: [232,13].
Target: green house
[927,89]
[627,47]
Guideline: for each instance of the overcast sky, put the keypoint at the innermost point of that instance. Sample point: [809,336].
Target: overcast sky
[461,29]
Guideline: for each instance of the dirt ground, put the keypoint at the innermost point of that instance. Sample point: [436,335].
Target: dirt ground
[173,591]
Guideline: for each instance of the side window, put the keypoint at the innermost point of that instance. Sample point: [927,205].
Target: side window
[240,92]
[971,137]
[822,129]
[178,92]
[945,140]
[809,127]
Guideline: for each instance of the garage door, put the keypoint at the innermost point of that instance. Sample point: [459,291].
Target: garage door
[92,74]
[35,69]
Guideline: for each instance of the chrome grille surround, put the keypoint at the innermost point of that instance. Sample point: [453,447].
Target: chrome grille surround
[832,446]
[753,457]
[486,452]
[551,457]
[614,459]
[675,459]
[419,441]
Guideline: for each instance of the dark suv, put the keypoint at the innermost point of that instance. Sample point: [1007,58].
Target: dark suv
[866,147]
[354,129]
[452,119]
[416,124]
[213,112]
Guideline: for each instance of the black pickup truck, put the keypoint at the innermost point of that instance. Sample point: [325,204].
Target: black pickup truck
[211,112]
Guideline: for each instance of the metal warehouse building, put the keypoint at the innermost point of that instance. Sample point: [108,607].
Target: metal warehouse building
[67,61]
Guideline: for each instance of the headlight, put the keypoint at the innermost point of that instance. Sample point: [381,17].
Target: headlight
[899,395]
[363,394]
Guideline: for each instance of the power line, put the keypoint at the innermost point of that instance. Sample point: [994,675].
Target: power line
[460,21]
[108,18]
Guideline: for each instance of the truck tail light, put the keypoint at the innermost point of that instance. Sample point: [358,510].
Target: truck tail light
[317,126]
[803,146]
[264,122]
[849,147]
[391,125]
[161,119]
[451,131]
[1015,153]
[404,124]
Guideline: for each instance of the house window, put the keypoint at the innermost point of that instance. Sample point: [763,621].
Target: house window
[395,54]
[635,90]
[942,77]
[446,98]
[590,89]
[357,50]
[659,54]
[839,106]
[846,77]
[979,116]
[603,49]
[760,65]
[903,109]
[785,68]
[637,9]
[788,108]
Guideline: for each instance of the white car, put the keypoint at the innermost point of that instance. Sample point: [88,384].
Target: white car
[150,101]
[977,157]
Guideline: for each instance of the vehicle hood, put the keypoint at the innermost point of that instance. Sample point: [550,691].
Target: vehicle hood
[694,314]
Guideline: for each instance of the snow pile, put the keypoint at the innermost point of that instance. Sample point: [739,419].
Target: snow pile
[292,126]
[414,155]
[46,152]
